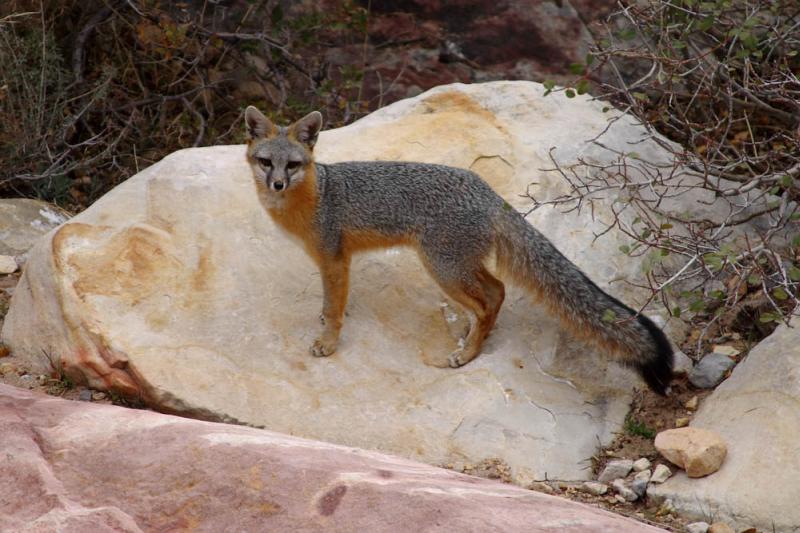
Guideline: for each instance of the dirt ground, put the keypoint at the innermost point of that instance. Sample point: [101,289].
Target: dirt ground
[649,414]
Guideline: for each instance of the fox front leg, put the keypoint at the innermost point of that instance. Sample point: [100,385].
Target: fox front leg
[335,273]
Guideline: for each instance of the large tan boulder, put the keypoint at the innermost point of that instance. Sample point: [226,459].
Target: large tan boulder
[757,412]
[74,466]
[176,287]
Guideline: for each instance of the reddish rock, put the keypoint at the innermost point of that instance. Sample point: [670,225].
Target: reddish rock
[73,466]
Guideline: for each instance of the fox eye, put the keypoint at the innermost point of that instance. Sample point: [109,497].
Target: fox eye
[264,161]
[293,165]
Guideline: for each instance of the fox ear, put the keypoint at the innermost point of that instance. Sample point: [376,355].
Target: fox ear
[258,126]
[307,128]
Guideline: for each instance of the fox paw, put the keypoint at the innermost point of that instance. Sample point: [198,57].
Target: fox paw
[320,348]
[455,359]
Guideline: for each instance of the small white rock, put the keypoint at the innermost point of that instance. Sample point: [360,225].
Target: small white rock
[594,487]
[683,363]
[730,351]
[644,475]
[661,474]
[619,486]
[641,464]
[8,264]
[697,527]
[615,469]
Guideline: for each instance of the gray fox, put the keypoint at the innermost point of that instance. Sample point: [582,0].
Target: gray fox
[454,220]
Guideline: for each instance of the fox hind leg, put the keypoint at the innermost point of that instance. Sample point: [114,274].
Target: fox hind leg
[481,295]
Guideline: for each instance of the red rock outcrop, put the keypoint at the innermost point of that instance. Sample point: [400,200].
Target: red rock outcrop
[73,466]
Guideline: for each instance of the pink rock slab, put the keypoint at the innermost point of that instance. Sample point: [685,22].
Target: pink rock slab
[75,466]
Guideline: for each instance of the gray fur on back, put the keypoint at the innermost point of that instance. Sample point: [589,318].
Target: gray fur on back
[445,209]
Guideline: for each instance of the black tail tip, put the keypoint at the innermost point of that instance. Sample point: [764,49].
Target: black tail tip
[657,370]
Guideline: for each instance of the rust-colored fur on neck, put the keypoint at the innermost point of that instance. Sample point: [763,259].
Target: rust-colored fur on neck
[294,211]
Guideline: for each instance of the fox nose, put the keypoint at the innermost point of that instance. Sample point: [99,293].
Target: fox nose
[277,185]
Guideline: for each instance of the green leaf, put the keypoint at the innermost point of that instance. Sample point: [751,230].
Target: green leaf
[569,93]
[769,317]
[627,34]
[796,241]
[625,249]
[676,311]
[697,305]
[549,84]
[754,279]
[666,225]
[640,96]
[608,315]
[506,206]
[577,68]
[582,86]
[786,182]
[589,59]
[606,109]
[718,294]
[780,294]
[794,273]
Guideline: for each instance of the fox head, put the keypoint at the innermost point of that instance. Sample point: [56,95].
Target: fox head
[279,156]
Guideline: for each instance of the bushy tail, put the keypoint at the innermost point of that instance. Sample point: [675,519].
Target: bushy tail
[532,261]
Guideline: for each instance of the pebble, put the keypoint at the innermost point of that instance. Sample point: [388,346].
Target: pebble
[682,422]
[642,464]
[8,264]
[97,396]
[698,451]
[615,469]
[85,395]
[639,487]
[710,370]
[730,351]
[660,474]
[644,475]
[691,405]
[619,486]
[720,527]
[682,363]
[594,487]
[541,486]
[7,368]
[697,527]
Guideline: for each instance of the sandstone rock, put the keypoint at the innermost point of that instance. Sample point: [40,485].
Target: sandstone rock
[71,466]
[615,469]
[710,370]
[660,474]
[594,487]
[698,451]
[641,464]
[681,422]
[697,527]
[8,264]
[756,412]
[176,288]
[24,221]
